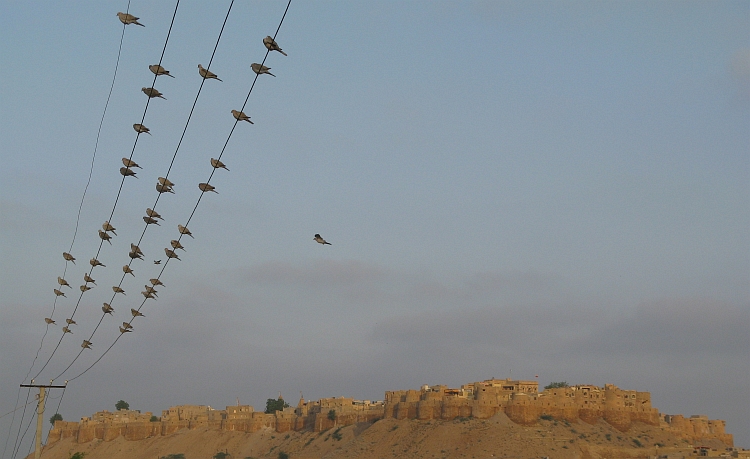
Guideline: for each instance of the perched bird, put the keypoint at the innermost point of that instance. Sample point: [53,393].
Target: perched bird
[141,129]
[105,237]
[152,92]
[58,292]
[86,344]
[130,163]
[117,289]
[62,282]
[157,70]
[70,322]
[124,330]
[218,164]
[166,182]
[150,289]
[69,257]
[240,116]
[175,245]
[84,288]
[95,262]
[107,308]
[136,313]
[157,262]
[171,254]
[154,214]
[127,172]
[49,321]
[151,221]
[126,326]
[207,74]
[184,230]
[163,188]
[271,45]
[205,187]
[107,227]
[257,68]
[134,255]
[126,19]
[67,330]
[320,240]
[148,295]
[136,249]
[87,278]
[126,269]
[155,282]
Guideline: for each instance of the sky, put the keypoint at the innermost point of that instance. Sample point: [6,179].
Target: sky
[511,189]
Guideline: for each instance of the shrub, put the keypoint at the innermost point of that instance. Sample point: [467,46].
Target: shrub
[556,385]
[547,417]
[78,456]
[55,417]
[336,435]
[283,455]
[332,415]
[637,443]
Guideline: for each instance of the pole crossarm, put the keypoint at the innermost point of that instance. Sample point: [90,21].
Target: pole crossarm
[49,386]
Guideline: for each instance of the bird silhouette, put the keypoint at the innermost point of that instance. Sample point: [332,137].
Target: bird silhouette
[320,240]
[126,19]
[157,70]
[257,68]
[207,74]
[271,45]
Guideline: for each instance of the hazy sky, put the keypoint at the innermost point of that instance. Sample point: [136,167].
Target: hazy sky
[511,189]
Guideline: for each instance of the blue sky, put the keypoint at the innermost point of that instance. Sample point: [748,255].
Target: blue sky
[552,188]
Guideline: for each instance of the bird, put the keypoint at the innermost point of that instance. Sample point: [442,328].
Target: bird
[117,289]
[95,262]
[67,330]
[150,289]
[155,282]
[184,230]
[320,240]
[84,288]
[152,213]
[62,282]
[176,245]
[152,92]
[126,326]
[271,45]
[171,254]
[130,163]
[240,116]
[126,269]
[136,249]
[49,321]
[166,182]
[205,187]
[157,262]
[218,164]
[58,292]
[124,330]
[151,221]
[163,188]
[207,74]
[87,278]
[148,295]
[107,227]
[126,19]
[70,322]
[257,68]
[69,257]
[141,129]
[136,313]
[134,255]
[127,172]
[105,237]
[86,344]
[157,70]
[107,308]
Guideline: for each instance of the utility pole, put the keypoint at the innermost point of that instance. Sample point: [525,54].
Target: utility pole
[40,413]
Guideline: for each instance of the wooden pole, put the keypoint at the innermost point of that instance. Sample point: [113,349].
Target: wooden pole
[40,414]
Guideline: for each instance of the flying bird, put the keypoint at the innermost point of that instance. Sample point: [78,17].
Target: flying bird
[207,74]
[257,68]
[58,292]
[87,278]
[125,330]
[240,116]
[155,282]
[127,172]
[163,188]
[69,257]
[166,182]
[94,262]
[107,227]
[271,45]
[136,313]
[152,92]
[205,187]
[175,245]
[66,330]
[320,240]
[117,289]
[157,70]
[126,269]
[49,321]
[157,262]
[62,282]
[171,254]
[107,308]
[86,344]
[70,322]
[126,19]
[141,129]
[151,221]
[105,237]
[218,164]
[84,288]
[184,230]
[154,214]
[130,163]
